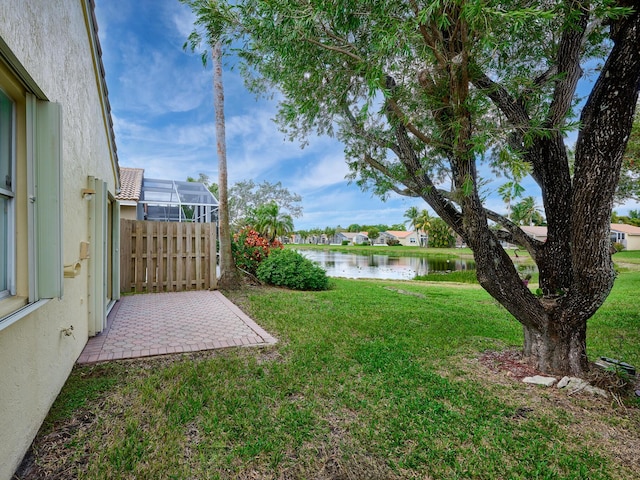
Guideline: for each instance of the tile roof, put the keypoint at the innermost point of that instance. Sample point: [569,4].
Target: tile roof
[616,227]
[352,234]
[399,233]
[624,228]
[130,183]
[536,231]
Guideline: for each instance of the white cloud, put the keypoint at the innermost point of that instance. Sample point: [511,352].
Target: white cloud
[182,19]
[162,101]
[154,82]
[325,171]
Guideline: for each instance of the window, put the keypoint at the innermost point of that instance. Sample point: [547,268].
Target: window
[7,167]
[617,237]
[31,270]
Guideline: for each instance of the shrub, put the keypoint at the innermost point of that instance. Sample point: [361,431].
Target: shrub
[618,247]
[392,242]
[250,249]
[440,234]
[288,268]
[345,242]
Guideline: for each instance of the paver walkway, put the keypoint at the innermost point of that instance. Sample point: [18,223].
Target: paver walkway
[161,323]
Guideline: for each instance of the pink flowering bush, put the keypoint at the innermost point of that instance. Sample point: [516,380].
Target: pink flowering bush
[250,249]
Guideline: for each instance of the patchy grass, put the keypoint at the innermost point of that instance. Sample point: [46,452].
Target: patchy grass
[371,379]
[630,256]
[615,329]
[455,276]
[627,260]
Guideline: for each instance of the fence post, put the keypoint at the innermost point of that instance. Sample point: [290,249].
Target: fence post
[213,257]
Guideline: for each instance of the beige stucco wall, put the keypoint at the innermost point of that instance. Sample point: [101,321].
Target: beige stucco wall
[407,240]
[128,212]
[633,242]
[51,41]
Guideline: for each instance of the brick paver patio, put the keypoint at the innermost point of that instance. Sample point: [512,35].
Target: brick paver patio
[162,323]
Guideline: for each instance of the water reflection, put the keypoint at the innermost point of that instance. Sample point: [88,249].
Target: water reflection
[349,265]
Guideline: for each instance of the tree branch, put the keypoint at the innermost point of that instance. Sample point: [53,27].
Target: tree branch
[429,40]
[512,108]
[539,81]
[410,126]
[409,191]
[361,130]
[517,235]
[334,49]
[568,65]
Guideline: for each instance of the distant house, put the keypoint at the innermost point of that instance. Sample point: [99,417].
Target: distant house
[535,232]
[409,239]
[58,214]
[130,191]
[159,200]
[354,238]
[627,235]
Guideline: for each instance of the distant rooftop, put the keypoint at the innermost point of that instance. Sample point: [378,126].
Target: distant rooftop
[166,200]
[624,228]
[399,233]
[130,184]
[177,201]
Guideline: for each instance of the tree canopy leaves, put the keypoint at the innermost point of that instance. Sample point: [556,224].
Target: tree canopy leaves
[422,94]
[629,186]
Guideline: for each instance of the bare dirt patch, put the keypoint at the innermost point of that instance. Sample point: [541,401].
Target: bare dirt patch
[49,458]
[606,426]
[507,361]
[628,266]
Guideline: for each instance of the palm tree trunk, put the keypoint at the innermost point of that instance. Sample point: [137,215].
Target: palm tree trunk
[229,277]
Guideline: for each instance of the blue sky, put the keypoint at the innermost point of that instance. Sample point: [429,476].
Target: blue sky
[162,106]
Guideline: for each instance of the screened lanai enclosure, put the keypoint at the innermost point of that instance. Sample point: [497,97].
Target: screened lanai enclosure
[176,201]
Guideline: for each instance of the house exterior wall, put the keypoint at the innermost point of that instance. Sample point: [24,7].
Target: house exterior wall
[53,43]
[627,235]
[633,242]
[128,212]
[410,240]
[340,237]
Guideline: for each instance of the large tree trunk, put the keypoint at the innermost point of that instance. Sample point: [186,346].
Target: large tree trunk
[229,277]
[576,270]
[557,348]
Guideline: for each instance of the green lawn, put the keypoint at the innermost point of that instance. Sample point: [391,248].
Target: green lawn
[628,257]
[368,381]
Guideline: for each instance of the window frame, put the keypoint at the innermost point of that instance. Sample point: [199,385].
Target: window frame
[9,197]
[36,210]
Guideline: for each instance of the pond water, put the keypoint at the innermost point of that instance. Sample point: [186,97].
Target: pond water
[349,265]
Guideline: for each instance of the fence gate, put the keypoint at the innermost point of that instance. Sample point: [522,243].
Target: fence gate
[167,256]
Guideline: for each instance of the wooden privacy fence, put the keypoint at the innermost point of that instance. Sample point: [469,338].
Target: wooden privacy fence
[167,256]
